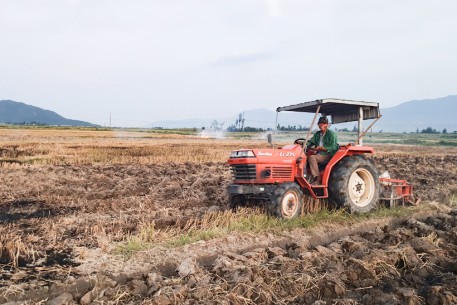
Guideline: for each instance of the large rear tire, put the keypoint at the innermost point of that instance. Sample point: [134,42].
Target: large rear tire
[286,201]
[354,184]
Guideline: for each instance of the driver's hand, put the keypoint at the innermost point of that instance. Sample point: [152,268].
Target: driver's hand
[321,148]
[311,151]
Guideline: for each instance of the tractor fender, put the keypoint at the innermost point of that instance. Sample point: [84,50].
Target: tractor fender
[345,150]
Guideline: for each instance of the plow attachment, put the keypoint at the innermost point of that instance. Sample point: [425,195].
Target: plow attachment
[395,192]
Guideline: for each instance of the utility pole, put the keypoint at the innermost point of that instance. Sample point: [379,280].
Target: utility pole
[240,121]
[110,120]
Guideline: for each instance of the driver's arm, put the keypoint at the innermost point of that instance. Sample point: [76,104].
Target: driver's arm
[312,142]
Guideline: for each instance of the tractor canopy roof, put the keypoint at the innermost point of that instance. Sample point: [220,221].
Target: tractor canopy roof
[340,110]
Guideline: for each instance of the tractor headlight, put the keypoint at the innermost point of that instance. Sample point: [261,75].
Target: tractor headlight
[242,154]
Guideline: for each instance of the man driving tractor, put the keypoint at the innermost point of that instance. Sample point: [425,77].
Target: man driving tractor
[325,144]
[350,180]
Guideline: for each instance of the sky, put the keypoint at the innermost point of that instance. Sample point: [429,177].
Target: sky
[149,60]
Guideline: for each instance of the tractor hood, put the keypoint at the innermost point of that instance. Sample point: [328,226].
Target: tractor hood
[285,155]
[265,165]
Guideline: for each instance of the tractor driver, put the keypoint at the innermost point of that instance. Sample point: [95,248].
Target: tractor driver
[325,143]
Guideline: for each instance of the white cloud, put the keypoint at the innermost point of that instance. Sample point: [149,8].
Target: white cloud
[274,7]
[238,58]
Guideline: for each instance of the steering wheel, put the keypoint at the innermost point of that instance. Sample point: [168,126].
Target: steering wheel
[300,141]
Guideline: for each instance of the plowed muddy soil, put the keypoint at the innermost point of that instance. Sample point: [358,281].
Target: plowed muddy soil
[58,225]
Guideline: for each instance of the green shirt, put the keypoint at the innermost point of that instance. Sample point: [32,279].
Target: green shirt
[330,142]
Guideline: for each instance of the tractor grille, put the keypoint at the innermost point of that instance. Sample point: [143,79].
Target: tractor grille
[243,171]
[281,172]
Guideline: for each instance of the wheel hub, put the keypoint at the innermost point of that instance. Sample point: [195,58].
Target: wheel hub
[289,204]
[360,187]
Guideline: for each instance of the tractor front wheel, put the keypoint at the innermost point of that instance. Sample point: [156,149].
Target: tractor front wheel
[237,201]
[286,201]
[354,184]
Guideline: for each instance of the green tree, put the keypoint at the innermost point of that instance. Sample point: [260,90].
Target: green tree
[429,130]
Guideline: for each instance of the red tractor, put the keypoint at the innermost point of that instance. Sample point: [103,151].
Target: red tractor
[349,180]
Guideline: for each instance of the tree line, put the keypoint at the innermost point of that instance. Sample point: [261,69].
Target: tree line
[431,130]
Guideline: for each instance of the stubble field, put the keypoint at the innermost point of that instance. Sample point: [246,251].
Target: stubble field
[129,217]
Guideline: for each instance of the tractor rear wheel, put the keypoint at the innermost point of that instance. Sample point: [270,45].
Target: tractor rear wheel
[286,201]
[354,184]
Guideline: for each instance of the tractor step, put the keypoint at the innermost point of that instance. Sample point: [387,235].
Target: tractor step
[318,186]
[319,191]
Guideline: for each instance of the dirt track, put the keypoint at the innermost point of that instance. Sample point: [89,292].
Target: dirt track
[63,219]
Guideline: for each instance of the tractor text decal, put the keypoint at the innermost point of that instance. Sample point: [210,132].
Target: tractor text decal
[260,153]
[287,154]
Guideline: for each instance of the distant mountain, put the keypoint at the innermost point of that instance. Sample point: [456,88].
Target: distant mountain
[415,115]
[12,112]
[410,116]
